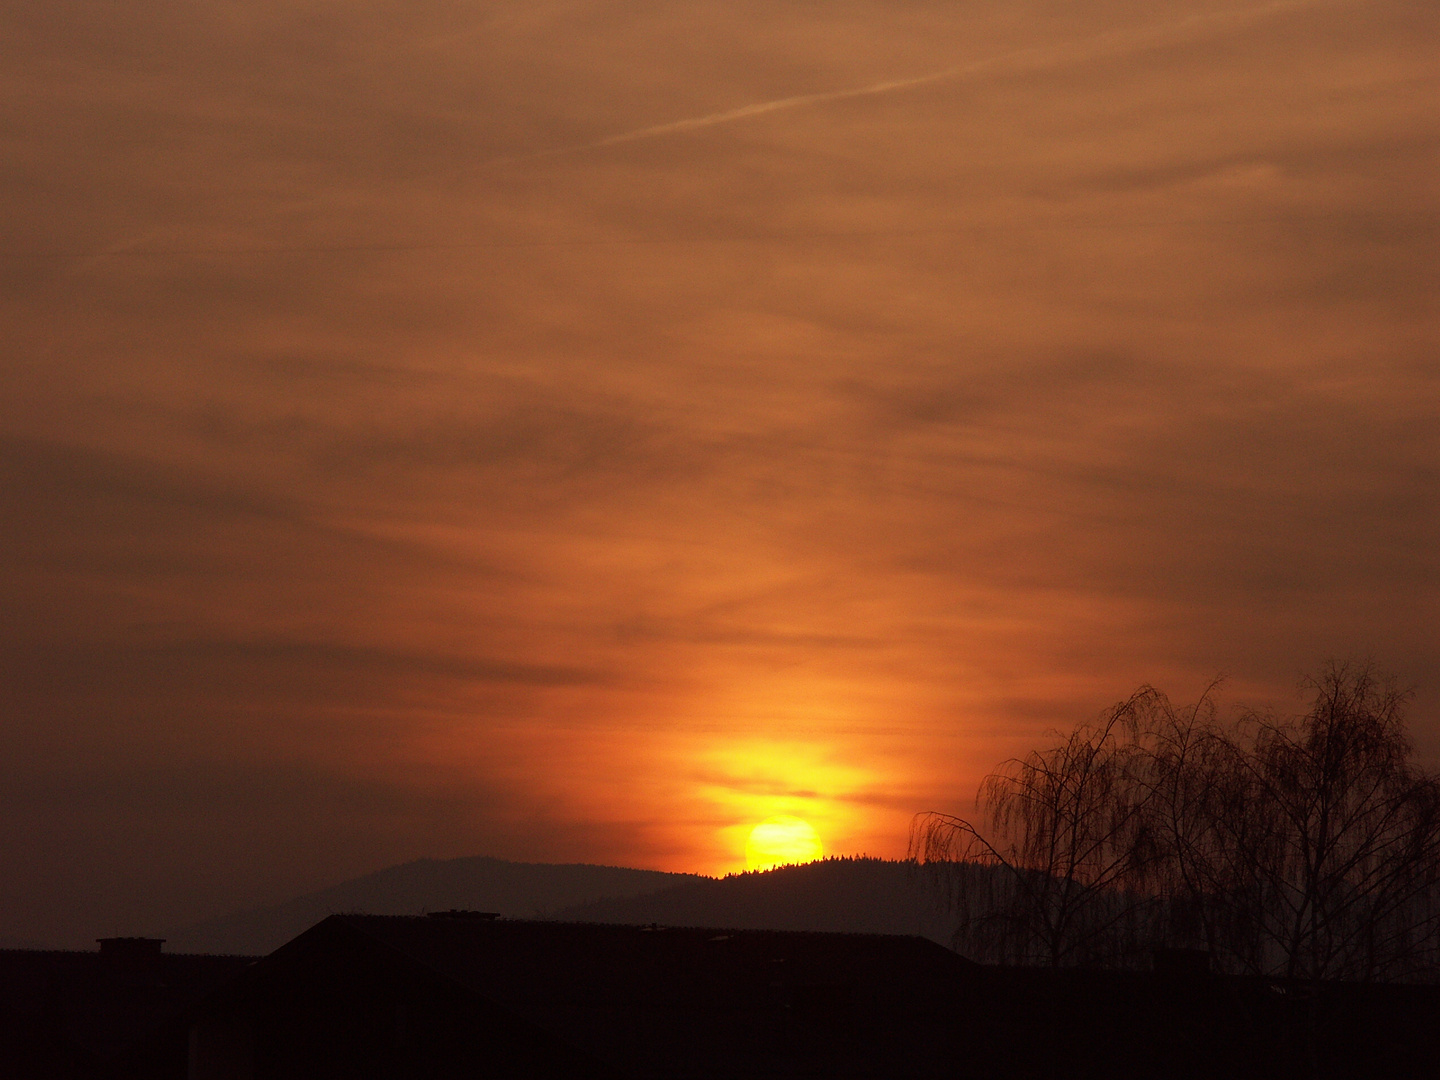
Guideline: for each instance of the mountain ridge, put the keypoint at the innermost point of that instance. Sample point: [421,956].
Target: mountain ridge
[839,894]
[481,882]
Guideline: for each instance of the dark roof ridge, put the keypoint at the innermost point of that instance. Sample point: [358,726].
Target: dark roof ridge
[609,927]
[96,952]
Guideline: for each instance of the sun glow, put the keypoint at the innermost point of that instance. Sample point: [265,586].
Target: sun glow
[781,841]
[746,781]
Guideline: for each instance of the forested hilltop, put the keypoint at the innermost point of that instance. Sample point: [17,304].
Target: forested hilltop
[855,895]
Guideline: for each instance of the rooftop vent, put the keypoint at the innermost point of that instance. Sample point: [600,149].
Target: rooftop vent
[458,913]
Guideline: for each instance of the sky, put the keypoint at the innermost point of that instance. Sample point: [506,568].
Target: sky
[579,430]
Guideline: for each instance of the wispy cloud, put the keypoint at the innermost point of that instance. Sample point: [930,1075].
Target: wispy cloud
[1191,27]
[883,443]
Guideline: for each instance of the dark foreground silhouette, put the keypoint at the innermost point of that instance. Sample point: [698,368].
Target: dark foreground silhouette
[464,995]
[1306,846]
[68,1014]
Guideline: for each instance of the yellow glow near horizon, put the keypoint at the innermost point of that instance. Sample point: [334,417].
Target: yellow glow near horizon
[781,841]
[758,777]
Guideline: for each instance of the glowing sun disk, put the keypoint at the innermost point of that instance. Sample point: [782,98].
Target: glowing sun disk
[779,841]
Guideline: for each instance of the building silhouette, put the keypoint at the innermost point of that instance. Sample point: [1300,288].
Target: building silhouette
[467,994]
[67,1014]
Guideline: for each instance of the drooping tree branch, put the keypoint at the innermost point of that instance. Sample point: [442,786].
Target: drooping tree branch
[1305,846]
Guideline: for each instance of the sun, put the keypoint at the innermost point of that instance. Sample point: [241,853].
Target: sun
[780,841]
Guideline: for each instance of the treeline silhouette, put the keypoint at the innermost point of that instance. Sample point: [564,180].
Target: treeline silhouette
[839,894]
[1302,847]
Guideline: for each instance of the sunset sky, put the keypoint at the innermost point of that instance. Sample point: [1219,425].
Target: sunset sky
[579,430]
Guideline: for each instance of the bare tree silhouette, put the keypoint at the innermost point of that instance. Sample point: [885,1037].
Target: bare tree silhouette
[1306,847]
[1065,832]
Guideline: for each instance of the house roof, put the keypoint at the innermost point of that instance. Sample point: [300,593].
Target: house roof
[585,1000]
[60,1010]
[675,1001]
[581,962]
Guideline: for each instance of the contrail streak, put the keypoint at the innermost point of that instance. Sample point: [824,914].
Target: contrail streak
[1037,58]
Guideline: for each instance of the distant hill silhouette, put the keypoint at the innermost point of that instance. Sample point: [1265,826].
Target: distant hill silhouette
[514,889]
[856,895]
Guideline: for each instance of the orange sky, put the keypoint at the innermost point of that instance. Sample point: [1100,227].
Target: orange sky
[578,430]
